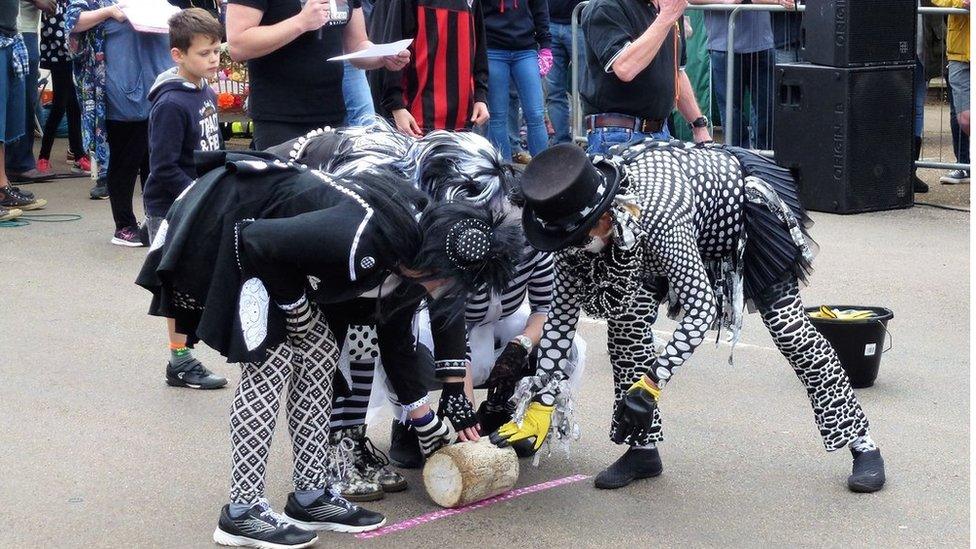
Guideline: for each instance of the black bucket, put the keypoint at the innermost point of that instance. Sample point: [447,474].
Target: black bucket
[859,343]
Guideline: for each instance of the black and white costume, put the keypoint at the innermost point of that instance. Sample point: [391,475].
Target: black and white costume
[348,151]
[709,230]
[216,265]
[266,260]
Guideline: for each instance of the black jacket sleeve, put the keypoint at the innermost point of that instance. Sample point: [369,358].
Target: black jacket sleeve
[540,16]
[450,337]
[398,349]
[480,65]
[390,21]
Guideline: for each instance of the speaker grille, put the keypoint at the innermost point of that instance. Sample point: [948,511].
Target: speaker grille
[851,33]
[847,132]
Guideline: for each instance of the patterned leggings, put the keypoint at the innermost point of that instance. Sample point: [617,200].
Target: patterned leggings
[835,408]
[361,342]
[836,411]
[307,366]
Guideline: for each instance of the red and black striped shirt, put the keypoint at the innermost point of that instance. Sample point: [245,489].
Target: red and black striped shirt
[448,70]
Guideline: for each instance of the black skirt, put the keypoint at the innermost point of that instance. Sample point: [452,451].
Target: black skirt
[778,246]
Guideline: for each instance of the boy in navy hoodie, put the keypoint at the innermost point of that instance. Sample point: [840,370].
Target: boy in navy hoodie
[183,119]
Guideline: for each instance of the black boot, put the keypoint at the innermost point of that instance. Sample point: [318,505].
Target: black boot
[635,464]
[404,447]
[918,186]
[868,474]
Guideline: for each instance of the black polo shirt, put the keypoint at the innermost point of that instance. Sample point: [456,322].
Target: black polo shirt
[609,25]
[296,83]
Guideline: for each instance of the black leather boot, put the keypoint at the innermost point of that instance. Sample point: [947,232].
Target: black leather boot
[868,474]
[404,447]
[635,464]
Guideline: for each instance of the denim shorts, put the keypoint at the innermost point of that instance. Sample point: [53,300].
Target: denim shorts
[13,97]
[959,80]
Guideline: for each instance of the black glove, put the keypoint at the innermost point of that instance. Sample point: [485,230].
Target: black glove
[508,369]
[634,414]
[455,406]
[491,417]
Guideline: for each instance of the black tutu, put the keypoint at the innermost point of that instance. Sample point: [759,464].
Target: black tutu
[772,253]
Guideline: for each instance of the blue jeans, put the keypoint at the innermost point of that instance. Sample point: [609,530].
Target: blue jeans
[559,80]
[599,140]
[20,153]
[355,92]
[514,120]
[13,97]
[753,72]
[522,66]
[920,86]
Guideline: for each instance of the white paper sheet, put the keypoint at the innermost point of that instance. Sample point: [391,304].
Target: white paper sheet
[377,50]
[148,15]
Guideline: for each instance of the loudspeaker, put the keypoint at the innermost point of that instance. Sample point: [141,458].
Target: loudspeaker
[852,33]
[848,135]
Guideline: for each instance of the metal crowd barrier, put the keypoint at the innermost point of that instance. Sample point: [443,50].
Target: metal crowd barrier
[579,134]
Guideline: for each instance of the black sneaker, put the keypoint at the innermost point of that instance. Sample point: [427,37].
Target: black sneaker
[99,191]
[23,192]
[12,198]
[331,512]
[868,473]
[636,463]
[193,375]
[260,527]
[404,447]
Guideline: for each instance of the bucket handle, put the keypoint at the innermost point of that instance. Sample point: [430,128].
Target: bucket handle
[889,337]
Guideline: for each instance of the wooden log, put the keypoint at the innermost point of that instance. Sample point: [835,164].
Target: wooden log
[467,472]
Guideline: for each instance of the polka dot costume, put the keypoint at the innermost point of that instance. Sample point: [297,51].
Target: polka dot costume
[693,216]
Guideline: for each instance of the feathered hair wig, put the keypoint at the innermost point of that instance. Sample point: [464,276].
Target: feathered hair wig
[461,166]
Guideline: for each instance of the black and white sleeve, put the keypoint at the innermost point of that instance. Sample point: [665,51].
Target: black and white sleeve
[558,333]
[677,251]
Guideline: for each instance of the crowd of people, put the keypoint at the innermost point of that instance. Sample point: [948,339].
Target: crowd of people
[377,240]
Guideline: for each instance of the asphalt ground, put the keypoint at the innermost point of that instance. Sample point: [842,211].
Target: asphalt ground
[98,452]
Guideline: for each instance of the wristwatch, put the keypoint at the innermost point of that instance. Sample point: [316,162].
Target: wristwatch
[524,341]
[700,122]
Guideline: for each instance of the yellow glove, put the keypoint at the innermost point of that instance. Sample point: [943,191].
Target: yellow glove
[643,384]
[535,424]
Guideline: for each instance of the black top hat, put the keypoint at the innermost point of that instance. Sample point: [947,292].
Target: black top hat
[565,195]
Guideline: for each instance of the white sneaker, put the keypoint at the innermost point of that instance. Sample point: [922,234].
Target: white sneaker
[955,177]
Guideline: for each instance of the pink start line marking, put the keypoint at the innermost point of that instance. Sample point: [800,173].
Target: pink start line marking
[444,513]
